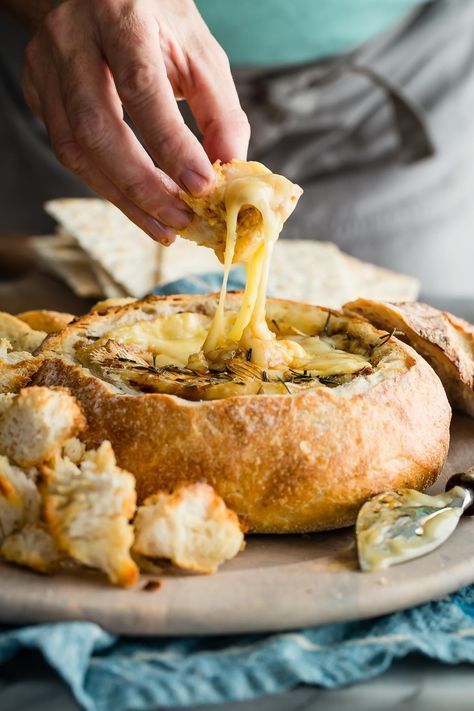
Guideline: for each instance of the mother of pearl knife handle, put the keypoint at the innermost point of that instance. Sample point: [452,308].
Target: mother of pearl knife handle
[466,480]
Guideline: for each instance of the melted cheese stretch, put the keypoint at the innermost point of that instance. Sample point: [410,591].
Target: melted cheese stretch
[250,327]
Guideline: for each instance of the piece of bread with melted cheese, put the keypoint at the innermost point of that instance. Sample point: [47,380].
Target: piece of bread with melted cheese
[36,423]
[209,224]
[87,508]
[192,527]
[444,340]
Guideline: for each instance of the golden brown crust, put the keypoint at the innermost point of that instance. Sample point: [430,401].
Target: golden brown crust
[47,321]
[285,464]
[14,376]
[112,303]
[444,340]
[17,343]
[19,334]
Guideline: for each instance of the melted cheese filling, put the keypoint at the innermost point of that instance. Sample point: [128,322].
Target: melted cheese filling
[173,339]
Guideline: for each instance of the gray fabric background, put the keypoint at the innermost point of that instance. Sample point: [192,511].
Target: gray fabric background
[337,139]
[334,136]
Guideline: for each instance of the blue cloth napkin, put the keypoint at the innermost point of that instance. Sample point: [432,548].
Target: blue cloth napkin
[203,283]
[110,673]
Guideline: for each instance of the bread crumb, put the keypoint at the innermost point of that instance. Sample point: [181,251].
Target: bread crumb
[152,586]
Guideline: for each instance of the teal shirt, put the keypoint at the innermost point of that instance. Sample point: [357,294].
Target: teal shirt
[276,32]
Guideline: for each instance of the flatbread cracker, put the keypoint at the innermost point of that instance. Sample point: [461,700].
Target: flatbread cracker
[69,263]
[110,239]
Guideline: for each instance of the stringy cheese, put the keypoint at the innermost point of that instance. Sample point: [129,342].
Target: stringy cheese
[250,327]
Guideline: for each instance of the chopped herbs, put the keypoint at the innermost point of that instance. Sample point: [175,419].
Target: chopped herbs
[285,384]
[382,341]
[331,380]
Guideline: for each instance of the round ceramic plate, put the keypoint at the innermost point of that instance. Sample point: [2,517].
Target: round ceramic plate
[277,583]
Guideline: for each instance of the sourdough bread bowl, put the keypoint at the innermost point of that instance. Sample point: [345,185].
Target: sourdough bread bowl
[290,450]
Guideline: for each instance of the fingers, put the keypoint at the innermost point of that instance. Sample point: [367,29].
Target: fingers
[98,127]
[30,93]
[214,101]
[131,45]
[71,155]
[94,115]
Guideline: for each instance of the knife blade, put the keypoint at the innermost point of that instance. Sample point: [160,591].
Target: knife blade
[397,526]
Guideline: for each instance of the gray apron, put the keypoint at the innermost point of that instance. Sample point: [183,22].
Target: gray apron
[382,141]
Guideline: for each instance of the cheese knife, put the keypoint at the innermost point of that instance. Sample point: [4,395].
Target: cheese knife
[397,526]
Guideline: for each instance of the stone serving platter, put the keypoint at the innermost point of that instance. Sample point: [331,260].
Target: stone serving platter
[277,583]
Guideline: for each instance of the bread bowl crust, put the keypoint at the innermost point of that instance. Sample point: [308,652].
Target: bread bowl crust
[444,340]
[285,464]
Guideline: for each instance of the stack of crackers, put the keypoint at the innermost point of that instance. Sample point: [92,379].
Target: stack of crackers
[99,252]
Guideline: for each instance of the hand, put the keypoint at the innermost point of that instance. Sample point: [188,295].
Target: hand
[89,59]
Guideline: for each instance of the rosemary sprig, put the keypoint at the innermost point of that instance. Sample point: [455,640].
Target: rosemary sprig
[285,384]
[324,332]
[175,369]
[382,341]
[329,379]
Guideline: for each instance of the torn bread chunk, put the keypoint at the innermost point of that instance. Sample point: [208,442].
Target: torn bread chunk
[19,498]
[16,367]
[192,527]
[20,335]
[37,423]
[32,547]
[87,508]
[444,340]
[47,321]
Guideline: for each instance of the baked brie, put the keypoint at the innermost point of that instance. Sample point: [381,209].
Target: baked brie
[296,446]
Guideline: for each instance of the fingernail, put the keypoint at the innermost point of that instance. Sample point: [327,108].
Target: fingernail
[174,217]
[166,241]
[195,183]
[160,232]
